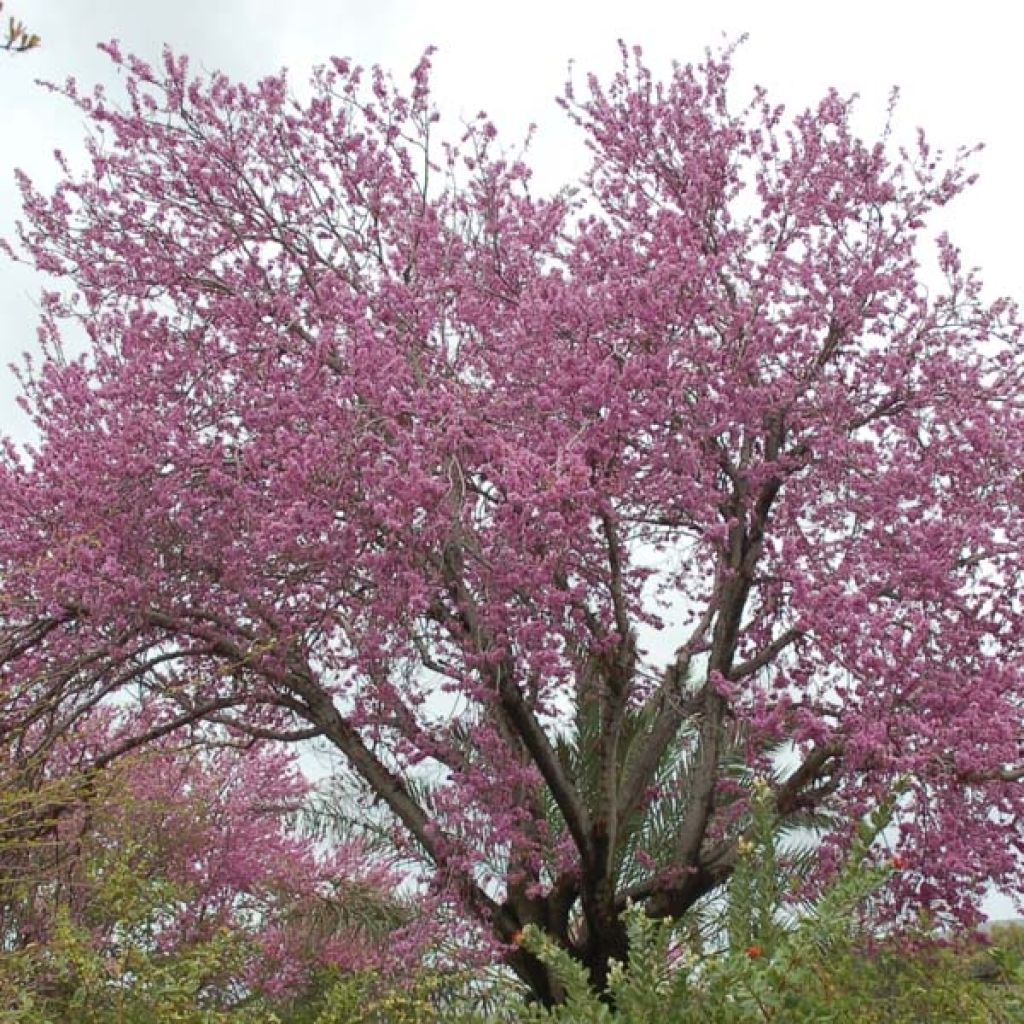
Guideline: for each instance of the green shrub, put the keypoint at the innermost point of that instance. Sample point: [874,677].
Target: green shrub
[761,966]
[68,979]
[759,963]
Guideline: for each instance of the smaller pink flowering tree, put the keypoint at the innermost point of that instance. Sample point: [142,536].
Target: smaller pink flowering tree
[176,845]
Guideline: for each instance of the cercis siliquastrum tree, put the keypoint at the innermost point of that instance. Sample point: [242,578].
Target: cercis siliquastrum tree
[370,442]
[158,854]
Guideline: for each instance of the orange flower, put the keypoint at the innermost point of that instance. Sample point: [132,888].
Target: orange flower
[898,863]
[754,952]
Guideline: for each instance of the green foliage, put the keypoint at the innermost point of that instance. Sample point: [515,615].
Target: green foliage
[71,980]
[130,980]
[431,997]
[82,916]
[360,999]
[763,965]
[767,958]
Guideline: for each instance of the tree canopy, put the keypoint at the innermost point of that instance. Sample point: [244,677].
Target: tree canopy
[559,517]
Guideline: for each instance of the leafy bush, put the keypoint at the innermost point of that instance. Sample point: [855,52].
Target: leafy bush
[362,999]
[162,889]
[69,979]
[823,967]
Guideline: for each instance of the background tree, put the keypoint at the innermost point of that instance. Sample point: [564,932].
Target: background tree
[172,873]
[557,517]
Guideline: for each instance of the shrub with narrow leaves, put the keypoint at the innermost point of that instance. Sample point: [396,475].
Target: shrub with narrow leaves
[826,965]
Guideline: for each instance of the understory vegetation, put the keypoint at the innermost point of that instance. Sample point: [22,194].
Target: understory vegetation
[764,951]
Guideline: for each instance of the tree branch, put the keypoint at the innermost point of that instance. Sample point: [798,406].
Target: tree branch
[518,714]
[766,655]
[787,797]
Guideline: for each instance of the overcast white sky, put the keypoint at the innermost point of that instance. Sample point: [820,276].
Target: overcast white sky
[958,66]
[957,63]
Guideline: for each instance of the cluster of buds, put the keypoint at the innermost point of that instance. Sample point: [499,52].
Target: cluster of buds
[18,39]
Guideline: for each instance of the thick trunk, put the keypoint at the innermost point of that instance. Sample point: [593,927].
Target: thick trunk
[596,955]
[611,943]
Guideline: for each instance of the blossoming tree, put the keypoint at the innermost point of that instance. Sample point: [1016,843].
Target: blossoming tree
[557,517]
[175,851]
